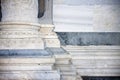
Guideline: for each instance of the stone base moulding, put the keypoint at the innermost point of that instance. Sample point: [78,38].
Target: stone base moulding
[63,63]
[95,60]
[15,35]
[30,75]
[49,36]
[28,67]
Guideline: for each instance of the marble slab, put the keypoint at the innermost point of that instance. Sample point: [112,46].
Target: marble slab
[22,43]
[24,53]
[65,67]
[99,72]
[59,53]
[23,67]
[62,61]
[24,60]
[31,75]
[86,16]
[68,78]
[95,60]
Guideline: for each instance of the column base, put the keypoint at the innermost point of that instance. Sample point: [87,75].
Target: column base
[49,36]
[63,63]
[26,66]
[20,35]
[25,43]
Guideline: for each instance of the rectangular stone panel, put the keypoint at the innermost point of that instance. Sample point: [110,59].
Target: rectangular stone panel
[86,16]
[30,75]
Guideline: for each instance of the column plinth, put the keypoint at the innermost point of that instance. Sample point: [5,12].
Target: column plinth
[49,36]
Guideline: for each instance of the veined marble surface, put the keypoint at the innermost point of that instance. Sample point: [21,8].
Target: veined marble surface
[77,38]
[86,16]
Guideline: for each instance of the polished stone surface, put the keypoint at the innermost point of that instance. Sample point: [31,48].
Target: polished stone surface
[86,16]
[88,2]
[24,52]
[95,60]
[30,75]
[86,39]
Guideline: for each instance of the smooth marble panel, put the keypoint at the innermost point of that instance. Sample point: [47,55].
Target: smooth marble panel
[24,52]
[85,39]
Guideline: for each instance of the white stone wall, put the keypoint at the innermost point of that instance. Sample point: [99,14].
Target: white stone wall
[86,16]
[19,11]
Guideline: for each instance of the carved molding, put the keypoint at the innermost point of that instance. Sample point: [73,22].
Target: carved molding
[22,43]
[95,60]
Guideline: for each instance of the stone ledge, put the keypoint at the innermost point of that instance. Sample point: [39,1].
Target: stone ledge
[22,43]
[24,25]
[26,60]
[59,53]
[30,75]
[24,53]
[23,67]
[95,60]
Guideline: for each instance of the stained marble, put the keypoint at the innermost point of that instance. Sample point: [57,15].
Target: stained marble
[85,39]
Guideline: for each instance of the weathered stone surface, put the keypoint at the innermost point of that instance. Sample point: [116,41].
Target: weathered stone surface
[63,63]
[68,77]
[19,11]
[95,60]
[24,53]
[30,75]
[19,28]
[65,67]
[13,30]
[27,60]
[49,36]
[59,53]
[88,16]
[17,67]
[25,43]
[89,38]
[19,34]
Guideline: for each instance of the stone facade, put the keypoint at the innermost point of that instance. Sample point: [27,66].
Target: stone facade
[20,25]
[31,50]
[19,34]
[28,49]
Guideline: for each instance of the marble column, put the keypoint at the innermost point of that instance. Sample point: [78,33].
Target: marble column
[22,53]
[19,27]
[47,28]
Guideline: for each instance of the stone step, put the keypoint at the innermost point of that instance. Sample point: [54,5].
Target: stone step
[80,57]
[68,77]
[25,67]
[99,72]
[96,62]
[26,60]
[59,53]
[94,53]
[62,61]
[24,53]
[22,43]
[98,66]
[91,48]
[65,67]
[68,73]
[30,75]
